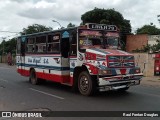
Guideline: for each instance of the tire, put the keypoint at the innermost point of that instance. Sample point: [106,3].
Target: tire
[86,85]
[33,78]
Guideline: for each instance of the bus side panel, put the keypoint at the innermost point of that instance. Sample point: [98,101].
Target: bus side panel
[20,66]
[47,67]
[23,72]
[51,77]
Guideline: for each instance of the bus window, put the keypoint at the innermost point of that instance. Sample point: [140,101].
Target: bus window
[18,46]
[30,45]
[40,45]
[65,47]
[73,42]
[53,43]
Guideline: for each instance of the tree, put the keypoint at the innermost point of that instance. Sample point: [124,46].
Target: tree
[70,25]
[148,29]
[8,46]
[110,17]
[35,28]
[107,16]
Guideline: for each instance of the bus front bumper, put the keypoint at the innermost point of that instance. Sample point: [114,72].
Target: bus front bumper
[119,81]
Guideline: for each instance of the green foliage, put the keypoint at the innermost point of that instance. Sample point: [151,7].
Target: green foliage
[70,25]
[35,28]
[148,29]
[8,46]
[110,17]
[107,16]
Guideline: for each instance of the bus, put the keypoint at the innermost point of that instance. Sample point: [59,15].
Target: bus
[88,58]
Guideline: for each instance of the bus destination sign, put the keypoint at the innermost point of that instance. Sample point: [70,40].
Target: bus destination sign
[102,27]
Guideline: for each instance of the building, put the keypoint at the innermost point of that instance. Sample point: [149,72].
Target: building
[134,42]
[145,61]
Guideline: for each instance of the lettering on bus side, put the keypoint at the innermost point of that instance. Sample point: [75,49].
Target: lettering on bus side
[30,60]
[38,60]
[45,61]
[34,60]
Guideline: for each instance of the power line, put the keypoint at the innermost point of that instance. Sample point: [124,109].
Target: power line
[9,31]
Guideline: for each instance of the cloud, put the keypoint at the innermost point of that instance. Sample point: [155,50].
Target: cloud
[18,14]
[45,10]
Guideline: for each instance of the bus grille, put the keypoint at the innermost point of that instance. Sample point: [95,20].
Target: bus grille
[121,61]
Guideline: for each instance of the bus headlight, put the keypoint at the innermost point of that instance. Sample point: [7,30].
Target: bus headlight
[157,68]
[105,72]
[137,70]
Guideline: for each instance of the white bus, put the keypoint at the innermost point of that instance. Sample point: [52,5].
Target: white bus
[86,58]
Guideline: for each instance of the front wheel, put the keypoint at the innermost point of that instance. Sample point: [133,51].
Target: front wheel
[33,78]
[86,85]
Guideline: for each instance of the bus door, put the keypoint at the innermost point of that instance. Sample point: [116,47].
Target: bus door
[65,64]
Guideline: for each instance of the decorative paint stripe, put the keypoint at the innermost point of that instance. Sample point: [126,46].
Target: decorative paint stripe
[44,66]
[99,50]
[48,76]
[124,52]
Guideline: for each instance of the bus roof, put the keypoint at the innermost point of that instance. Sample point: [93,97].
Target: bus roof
[47,32]
[92,26]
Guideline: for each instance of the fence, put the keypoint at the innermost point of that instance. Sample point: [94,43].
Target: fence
[3,59]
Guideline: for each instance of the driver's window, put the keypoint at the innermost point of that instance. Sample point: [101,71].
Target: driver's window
[112,42]
[90,43]
[73,43]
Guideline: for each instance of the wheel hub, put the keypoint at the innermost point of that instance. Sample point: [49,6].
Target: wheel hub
[84,83]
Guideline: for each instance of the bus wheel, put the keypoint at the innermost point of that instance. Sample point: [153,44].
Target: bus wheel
[33,79]
[86,85]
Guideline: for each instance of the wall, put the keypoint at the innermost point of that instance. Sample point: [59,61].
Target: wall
[148,60]
[134,42]
[3,59]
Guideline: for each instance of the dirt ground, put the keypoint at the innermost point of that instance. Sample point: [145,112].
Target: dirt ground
[151,81]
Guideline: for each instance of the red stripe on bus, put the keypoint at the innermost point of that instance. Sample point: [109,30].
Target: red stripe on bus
[23,72]
[43,54]
[47,76]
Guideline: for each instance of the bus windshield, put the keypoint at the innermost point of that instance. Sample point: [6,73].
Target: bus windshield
[90,39]
[111,42]
[95,39]
[90,43]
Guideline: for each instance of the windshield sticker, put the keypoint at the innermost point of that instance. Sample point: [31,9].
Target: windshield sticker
[112,34]
[81,42]
[86,42]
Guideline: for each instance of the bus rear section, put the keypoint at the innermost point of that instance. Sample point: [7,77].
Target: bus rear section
[45,56]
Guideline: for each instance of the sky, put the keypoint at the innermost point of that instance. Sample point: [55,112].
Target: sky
[18,14]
